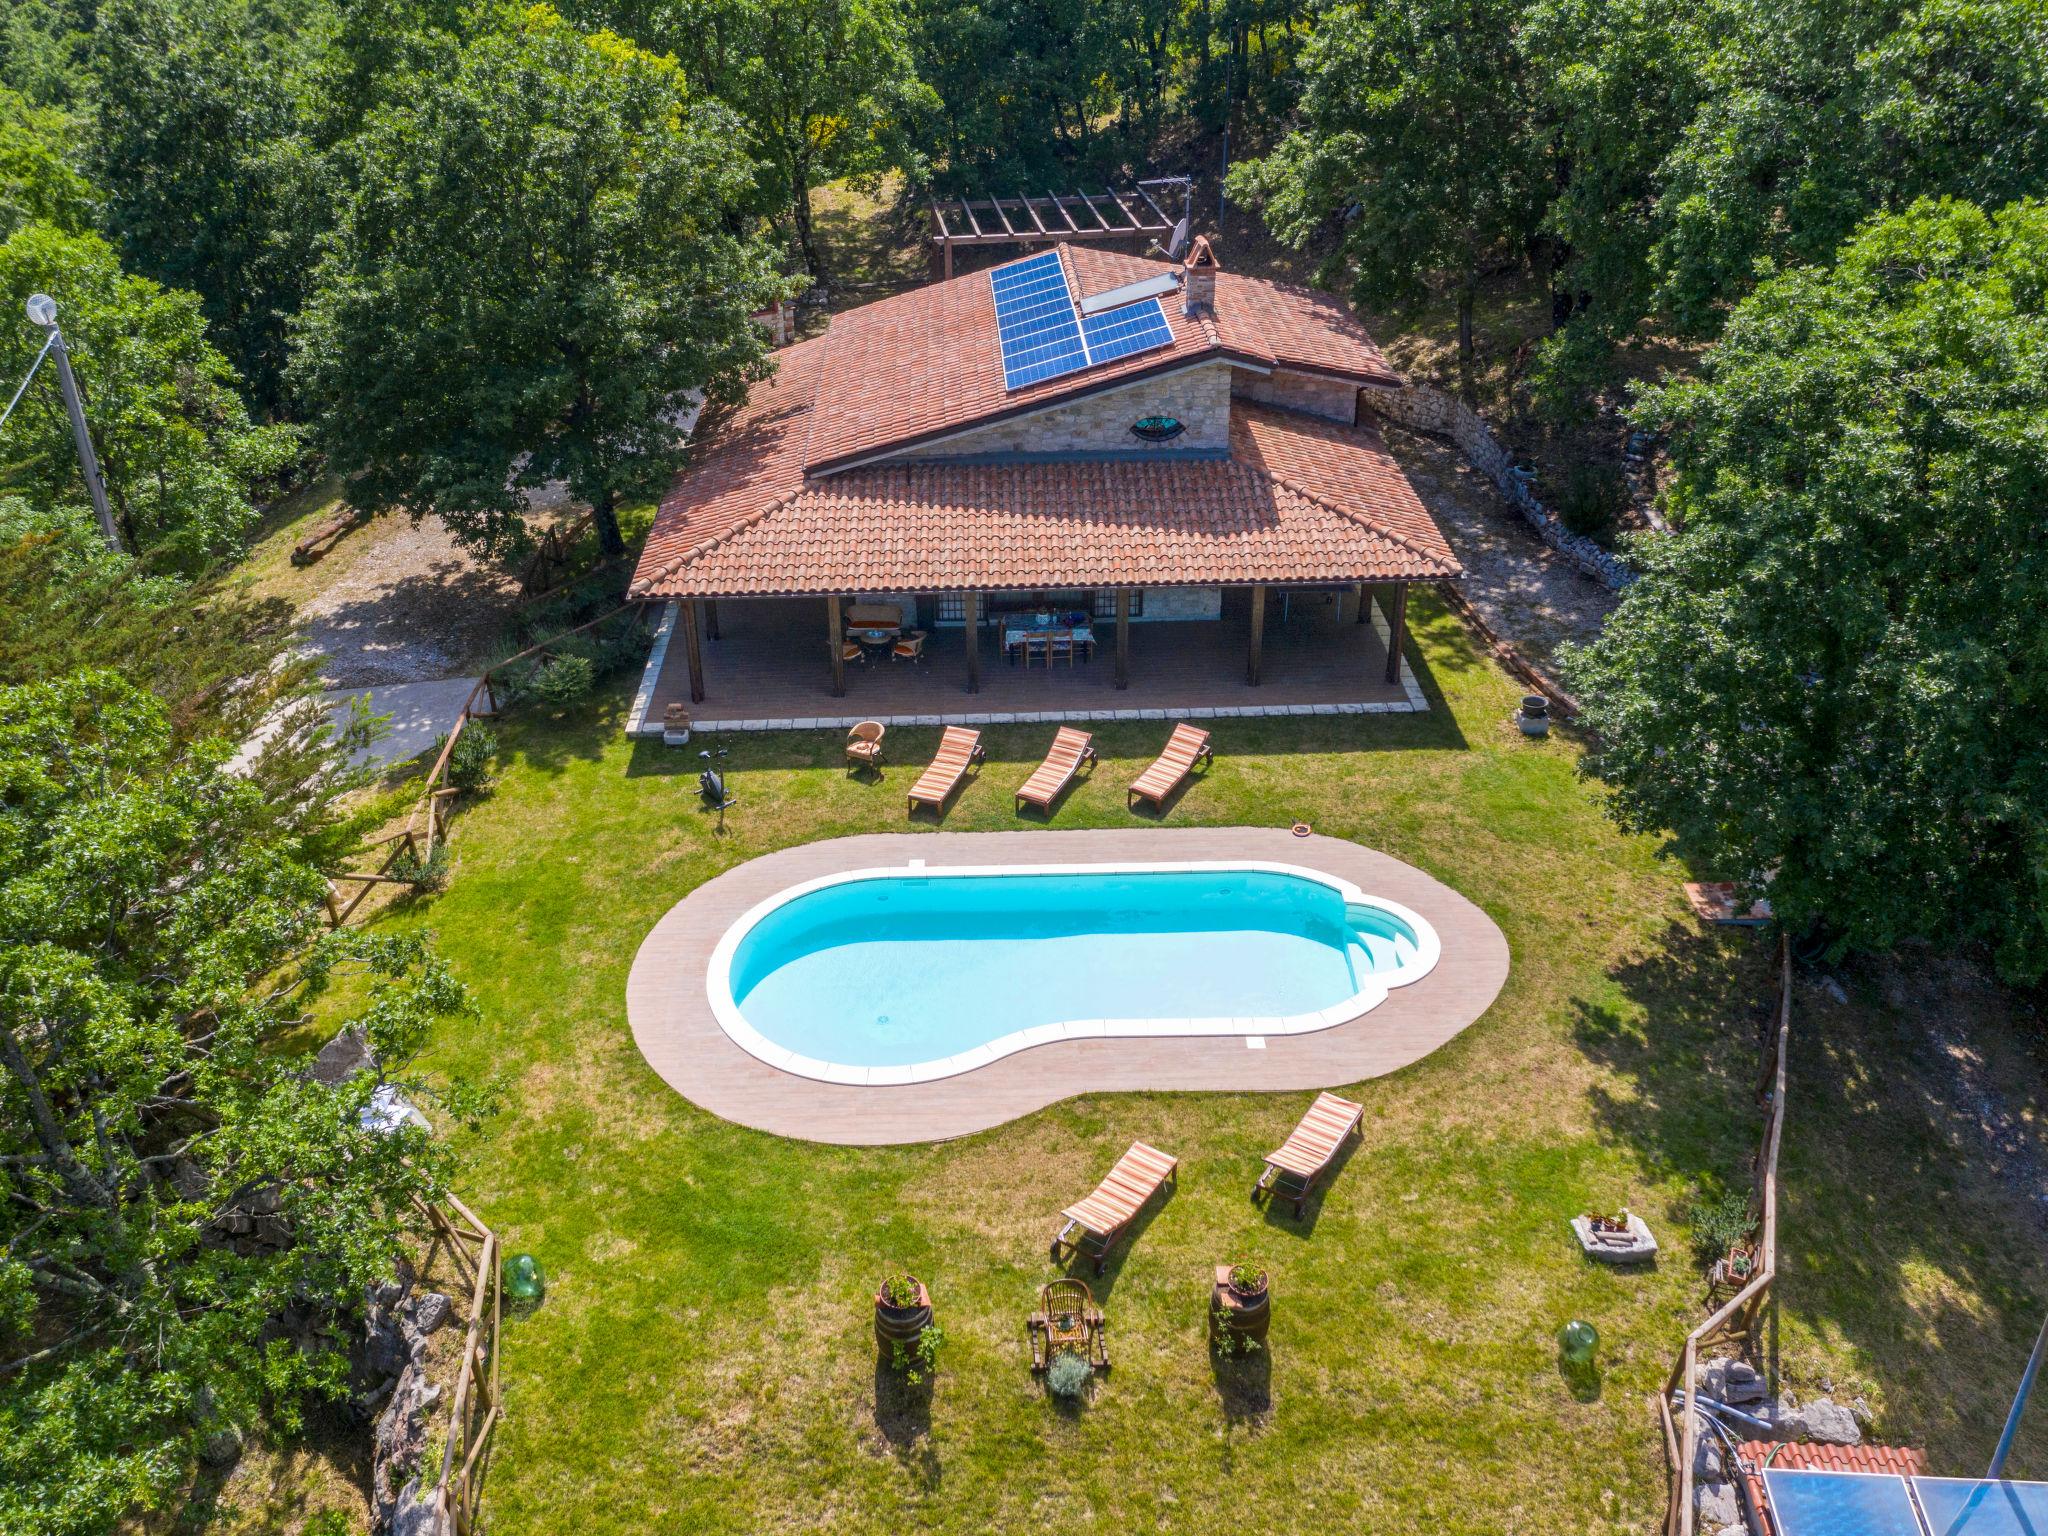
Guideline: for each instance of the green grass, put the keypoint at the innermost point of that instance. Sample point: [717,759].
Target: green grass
[704,1360]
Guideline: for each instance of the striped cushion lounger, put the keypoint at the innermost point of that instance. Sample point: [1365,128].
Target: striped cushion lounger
[1309,1149]
[1090,1226]
[958,749]
[1184,748]
[1070,749]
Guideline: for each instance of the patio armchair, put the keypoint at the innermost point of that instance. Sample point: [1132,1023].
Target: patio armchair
[864,746]
[909,646]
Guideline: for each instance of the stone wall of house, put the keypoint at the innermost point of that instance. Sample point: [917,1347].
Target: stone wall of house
[1333,398]
[1181,604]
[1101,423]
[1431,410]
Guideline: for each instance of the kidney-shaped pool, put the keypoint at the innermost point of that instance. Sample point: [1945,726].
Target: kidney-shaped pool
[911,974]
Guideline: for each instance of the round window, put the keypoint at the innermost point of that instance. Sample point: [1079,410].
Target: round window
[1157,429]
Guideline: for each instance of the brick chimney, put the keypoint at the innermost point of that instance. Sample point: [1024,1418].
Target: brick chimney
[1198,279]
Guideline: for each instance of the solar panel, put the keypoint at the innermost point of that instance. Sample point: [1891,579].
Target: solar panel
[1808,1503]
[1969,1506]
[1120,332]
[1036,325]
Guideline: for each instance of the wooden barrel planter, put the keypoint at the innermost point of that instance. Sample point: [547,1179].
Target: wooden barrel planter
[1236,1312]
[896,1325]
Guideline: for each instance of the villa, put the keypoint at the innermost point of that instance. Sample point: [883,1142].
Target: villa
[1081,484]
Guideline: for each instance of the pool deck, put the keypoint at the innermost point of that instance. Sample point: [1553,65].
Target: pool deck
[672,1022]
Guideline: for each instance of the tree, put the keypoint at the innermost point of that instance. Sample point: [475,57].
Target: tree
[1829,682]
[38,182]
[1816,113]
[185,1215]
[1416,139]
[180,457]
[532,279]
[197,142]
[828,88]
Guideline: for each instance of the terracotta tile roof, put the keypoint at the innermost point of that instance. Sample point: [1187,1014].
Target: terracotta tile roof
[1278,324]
[927,362]
[1902,1460]
[1299,500]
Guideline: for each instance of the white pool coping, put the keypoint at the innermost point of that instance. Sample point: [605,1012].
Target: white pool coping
[718,975]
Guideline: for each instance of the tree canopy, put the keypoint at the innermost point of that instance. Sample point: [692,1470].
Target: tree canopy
[533,279]
[1828,681]
[181,459]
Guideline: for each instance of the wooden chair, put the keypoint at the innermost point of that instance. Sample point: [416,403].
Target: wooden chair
[1070,749]
[1309,1150]
[1067,1318]
[959,748]
[1184,748]
[1062,644]
[1092,1225]
[1037,645]
[864,745]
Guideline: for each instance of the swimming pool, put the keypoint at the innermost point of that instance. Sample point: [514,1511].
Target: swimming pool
[906,975]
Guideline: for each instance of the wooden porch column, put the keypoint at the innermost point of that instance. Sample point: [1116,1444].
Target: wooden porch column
[1364,603]
[1251,670]
[692,650]
[973,626]
[1397,631]
[1123,637]
[837,640]
[711,619]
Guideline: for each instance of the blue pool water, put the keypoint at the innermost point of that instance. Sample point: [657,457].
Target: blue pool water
[904,969]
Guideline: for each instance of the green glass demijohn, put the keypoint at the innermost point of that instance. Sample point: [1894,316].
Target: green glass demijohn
[523,1279]
[1577,1340]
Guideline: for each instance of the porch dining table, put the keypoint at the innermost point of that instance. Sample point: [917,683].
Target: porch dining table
[1017,631]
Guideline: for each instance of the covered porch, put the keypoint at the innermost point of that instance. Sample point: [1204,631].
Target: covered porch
[769,664]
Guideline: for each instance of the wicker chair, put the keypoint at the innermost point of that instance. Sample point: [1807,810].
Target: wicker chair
[1067,1318]
[864,746]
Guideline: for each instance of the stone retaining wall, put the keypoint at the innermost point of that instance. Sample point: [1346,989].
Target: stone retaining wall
[1431,410]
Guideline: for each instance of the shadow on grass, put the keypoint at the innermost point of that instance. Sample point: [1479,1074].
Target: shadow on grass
[1244,1383]
[1583,1381]
[1102,1282]
[903,1418]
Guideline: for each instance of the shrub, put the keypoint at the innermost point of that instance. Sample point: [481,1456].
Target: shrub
[1068,1375]
[1591,502]
[921,1359]
[428,874]
[469,765]
[563,680]
[1720,1223]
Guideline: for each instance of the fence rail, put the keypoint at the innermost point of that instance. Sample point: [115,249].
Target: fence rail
[1737,1317]
[475,1409]
[425,825]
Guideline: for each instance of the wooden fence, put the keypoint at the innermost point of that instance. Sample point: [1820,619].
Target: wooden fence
[475,1408]
[1737,1318]
[426,826]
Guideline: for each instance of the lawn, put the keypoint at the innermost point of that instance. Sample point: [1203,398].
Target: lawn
[704,1360]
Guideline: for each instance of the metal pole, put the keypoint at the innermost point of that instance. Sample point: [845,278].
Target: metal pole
[43,311]
[2019,1404]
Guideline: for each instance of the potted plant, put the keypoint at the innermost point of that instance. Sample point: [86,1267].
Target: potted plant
[1601,1222]
[1067,1375]
[903,1311]
[1241,1308]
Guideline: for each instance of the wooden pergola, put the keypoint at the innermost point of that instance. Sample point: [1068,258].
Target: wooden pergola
[1030,219]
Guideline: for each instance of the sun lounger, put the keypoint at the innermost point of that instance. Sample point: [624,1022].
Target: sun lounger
[1309,1149]
[1184,748]
[958,749]
[1070,749]
[1090,1226]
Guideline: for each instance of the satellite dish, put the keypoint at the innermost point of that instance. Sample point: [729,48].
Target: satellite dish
[42,309]
[1177,245]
